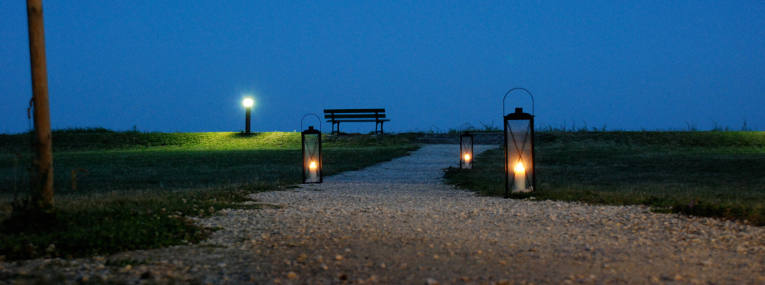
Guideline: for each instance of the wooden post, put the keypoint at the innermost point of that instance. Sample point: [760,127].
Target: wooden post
[42,177]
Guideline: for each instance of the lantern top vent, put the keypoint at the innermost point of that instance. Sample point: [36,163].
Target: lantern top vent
[311,130]
[519,115]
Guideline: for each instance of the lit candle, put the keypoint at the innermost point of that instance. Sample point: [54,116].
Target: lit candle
[520,177]
[313,173]
[466,158]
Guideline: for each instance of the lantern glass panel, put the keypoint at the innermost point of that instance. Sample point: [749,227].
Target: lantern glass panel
[466,151]
[520,168]
[311,158]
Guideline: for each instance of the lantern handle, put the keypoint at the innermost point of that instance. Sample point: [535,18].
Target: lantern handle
[510,91]
[310,114]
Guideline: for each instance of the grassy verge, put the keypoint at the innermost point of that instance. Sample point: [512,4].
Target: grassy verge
[109,223]
[718,174]
[138,195]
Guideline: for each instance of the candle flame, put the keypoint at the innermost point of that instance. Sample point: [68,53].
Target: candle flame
[466,157]
[519,168]
[312,165]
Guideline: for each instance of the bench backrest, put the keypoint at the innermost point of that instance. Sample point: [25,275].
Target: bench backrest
[354,113]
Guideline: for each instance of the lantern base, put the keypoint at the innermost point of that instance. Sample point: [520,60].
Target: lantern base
[527,190]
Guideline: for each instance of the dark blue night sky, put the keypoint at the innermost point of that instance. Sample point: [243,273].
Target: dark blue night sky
[435,65]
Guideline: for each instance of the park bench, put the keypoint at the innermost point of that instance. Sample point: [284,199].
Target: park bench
[337,116]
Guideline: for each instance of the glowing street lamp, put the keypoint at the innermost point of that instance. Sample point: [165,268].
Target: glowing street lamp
[466,150]
[247,102]
[312,159]
[519,148]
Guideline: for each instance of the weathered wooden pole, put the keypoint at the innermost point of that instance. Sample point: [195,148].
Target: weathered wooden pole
[42,177]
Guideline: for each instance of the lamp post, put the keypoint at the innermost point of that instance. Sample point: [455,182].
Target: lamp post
[247,102]
[466,150]
[519,148]
[310,141]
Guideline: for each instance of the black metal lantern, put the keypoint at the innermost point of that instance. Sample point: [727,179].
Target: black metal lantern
[519,148]
[312,159]
[466,150]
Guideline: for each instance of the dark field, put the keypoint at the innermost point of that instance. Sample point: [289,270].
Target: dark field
[115,161]
[134,190]
[719,174]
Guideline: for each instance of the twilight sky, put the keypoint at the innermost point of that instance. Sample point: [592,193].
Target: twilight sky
[435,65]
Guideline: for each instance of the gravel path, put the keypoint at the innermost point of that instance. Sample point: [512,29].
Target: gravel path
[397,222]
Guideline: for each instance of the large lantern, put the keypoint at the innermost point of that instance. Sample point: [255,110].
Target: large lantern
[466,150]
[310,140]
[519,149]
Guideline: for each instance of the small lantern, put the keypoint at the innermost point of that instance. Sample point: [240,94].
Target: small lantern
[466,150]
[519,150]
[311,141]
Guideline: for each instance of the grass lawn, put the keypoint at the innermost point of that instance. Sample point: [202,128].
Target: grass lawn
[718,174]
[134,190]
